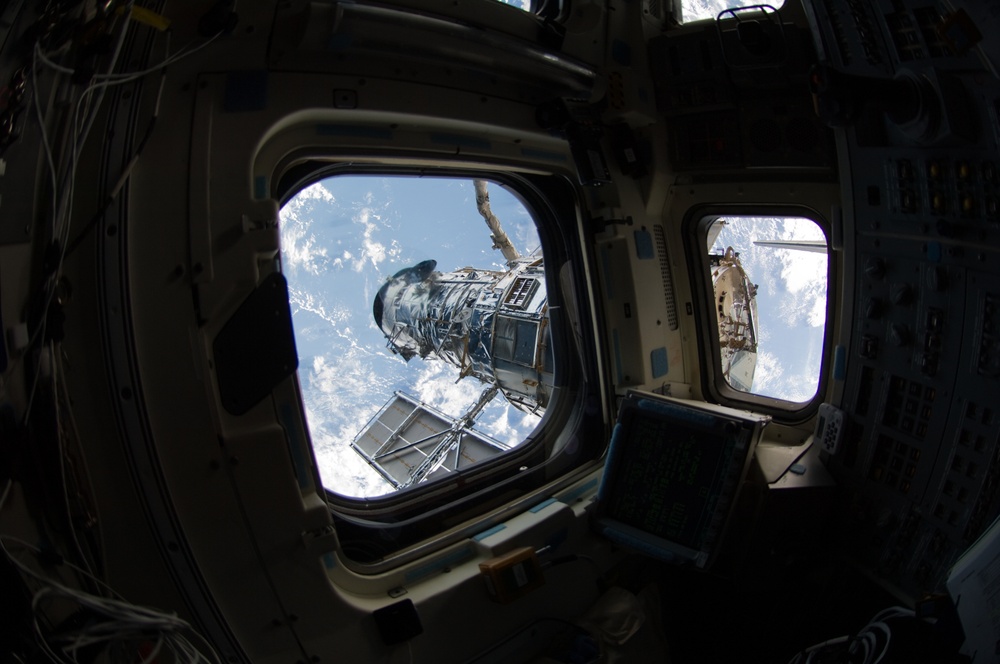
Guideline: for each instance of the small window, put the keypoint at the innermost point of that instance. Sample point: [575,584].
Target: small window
[544,8]
[344,240]
[520,4]
[769,300]
[550,10]
[697,10]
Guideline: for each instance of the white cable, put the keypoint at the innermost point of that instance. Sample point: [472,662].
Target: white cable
[62,201]
[867,649]
[110,78]
[81,126]
[85,467]
[118,79]
[57,383]
[125,622]
[51,64]
[80,134]
[888,638]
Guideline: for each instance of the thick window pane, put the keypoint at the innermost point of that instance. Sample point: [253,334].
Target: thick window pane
[769,296]
[696,10]
[341,241]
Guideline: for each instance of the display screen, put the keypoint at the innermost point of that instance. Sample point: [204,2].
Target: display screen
[671,476]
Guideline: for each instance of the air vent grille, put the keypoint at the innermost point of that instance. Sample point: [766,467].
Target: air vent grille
[668,282]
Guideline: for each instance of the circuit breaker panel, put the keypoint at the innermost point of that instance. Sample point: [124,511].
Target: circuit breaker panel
[914,97]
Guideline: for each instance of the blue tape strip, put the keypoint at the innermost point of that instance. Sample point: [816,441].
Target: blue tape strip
[642,546]
[571,496]
[612,460]
[644,245]
[260,187]
[658,362]
[542,505]
[839,363]
[486,533]
[438,565]
[934,251]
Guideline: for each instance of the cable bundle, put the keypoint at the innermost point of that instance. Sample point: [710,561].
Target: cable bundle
[869,646]
[123,631]
[65,113]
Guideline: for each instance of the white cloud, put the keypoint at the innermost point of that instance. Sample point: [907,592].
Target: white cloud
[776,378]
[336,410]
[315,192]
[305,300]
[436,386]
[768,373]
[500,428]
[803,275]
[372,251]
[299,247]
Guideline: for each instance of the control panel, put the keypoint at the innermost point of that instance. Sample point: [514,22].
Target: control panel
[914,98]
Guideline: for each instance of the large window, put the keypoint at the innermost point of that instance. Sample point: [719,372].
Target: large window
[768,297]
[342,240]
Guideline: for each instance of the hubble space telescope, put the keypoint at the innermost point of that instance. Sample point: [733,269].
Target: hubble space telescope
[491,325]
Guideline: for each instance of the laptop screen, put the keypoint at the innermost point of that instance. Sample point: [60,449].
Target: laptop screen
[672,475]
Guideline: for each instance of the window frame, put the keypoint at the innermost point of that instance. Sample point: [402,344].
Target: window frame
[696,223]
[378,533]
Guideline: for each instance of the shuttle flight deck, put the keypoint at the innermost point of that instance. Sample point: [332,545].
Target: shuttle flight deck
[160,495]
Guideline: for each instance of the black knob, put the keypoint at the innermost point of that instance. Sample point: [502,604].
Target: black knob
[875,267]
[901,294]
